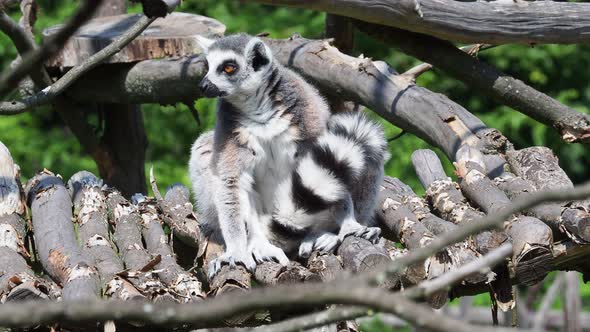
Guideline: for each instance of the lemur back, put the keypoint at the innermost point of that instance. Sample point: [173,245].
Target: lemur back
[274,128]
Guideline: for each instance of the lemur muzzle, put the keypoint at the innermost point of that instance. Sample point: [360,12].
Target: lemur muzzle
[209,89]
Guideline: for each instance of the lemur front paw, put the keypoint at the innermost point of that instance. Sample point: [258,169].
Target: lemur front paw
[231,259]
[325,242]
[264,251]
[368,233]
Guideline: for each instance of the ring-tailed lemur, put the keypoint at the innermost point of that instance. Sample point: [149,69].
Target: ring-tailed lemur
[278,172]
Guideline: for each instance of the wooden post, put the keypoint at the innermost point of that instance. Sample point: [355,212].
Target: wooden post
[124,135]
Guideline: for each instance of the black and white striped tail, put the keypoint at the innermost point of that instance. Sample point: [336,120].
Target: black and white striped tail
[331,168]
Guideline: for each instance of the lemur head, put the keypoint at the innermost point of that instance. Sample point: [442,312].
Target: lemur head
[238,65]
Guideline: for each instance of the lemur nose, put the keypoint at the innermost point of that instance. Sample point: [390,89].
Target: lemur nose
[208,89]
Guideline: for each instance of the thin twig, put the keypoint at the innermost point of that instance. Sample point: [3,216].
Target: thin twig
[550,296]
[420,69]
[49,93]
[10,79]
[306,322]
[24,44]
[479,265]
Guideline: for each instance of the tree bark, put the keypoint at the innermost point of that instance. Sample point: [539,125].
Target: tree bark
[184,284]
[530,236]
[90,211]
[490,22]
[55,238]
[447,199]
[127,236]
[572,125]
[540,167]
[17,280]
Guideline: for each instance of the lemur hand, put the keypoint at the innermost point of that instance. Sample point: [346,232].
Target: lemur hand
[264,251]
[232,258]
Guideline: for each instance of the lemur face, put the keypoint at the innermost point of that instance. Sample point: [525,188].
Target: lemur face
[237,65]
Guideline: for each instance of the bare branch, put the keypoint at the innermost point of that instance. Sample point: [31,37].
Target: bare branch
[548,299]
[572,125]
[422,68]
[572,302]
[49,93]
[211,312]
[492,22]
[305,322]
[24,44]
[158,8]
[30,61]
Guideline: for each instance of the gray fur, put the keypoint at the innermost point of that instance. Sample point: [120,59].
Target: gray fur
[267,117]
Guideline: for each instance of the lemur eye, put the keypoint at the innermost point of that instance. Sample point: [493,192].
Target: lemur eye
[229,68]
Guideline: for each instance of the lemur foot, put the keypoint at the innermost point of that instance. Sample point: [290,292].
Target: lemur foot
[232,260]
[264,251]
[325,242]
[368,233]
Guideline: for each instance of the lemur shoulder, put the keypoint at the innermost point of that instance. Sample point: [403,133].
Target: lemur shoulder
[279,175]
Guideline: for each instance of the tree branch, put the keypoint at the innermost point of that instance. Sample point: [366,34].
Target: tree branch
[489,22]
[548,299]
[322,318]
[32,60]
[211,312]
[425,288]
[50,92]
[572,125]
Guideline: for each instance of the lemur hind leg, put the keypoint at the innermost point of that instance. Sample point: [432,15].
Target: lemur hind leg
[203,181]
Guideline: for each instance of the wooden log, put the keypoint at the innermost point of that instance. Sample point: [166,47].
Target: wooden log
[90,211]
[55,238]
[416,210]
[327,265]
[515,186]
[127,236]
[272,273]
[227,280]
[530,236]
[540,167]
[185,285]
[447,199]
[17,279]
[490,22]
[172,36]
[179,215]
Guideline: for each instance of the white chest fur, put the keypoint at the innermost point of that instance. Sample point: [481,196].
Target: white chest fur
[274,150]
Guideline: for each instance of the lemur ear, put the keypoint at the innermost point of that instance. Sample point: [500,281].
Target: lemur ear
[204,43]
[258,54]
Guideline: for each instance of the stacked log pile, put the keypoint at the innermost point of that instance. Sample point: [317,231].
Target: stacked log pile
[94,243]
